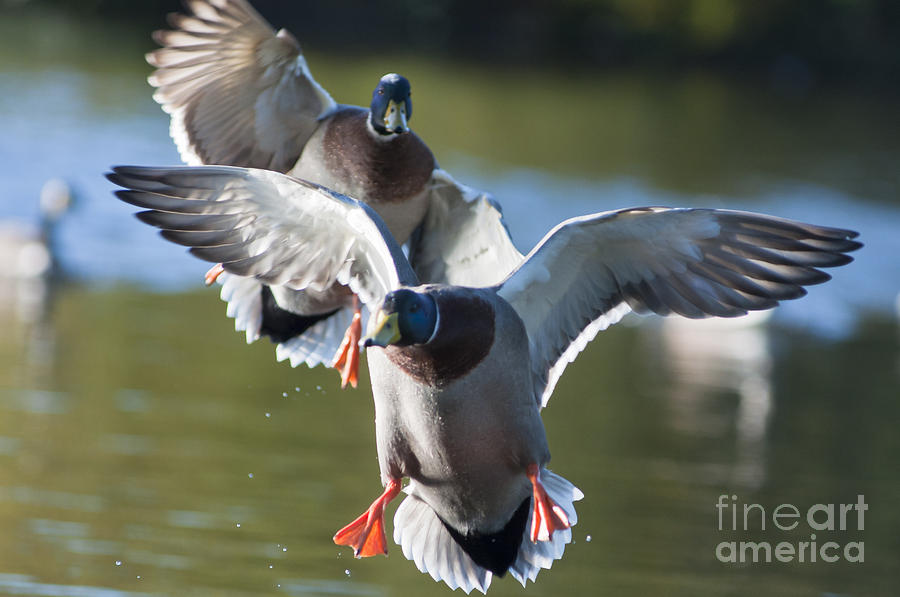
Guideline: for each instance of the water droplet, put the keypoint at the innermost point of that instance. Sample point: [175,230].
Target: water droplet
[250,475]
[118,562]
[297,389]
[284,549]
[347,571]
[139,577]
[319,388]
[270,566]
[284,394]
[268,415]
[238,525]
[588,538]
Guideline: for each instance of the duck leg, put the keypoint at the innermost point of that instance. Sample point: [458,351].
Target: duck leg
[366,534]
[213,274]
[547,516]
[346,360]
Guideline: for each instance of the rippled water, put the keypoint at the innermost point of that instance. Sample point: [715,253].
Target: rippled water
[145,449]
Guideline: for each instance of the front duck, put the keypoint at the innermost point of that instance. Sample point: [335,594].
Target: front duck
[476,461]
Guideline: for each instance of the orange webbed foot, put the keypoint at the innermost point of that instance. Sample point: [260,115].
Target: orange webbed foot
[213,274]
[366,534]
[346,360]
[547,516]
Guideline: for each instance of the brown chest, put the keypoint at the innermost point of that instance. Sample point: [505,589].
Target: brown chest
[384,170]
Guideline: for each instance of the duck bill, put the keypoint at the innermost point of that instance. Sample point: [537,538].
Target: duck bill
[386,332]
[395,118]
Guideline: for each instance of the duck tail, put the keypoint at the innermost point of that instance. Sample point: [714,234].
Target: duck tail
[448,556]
[244,303]
[313,341]
[425,540]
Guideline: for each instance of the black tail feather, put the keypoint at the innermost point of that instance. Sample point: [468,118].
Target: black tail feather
[280,324]
[496,551]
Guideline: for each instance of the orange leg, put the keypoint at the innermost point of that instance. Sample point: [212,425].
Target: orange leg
[213,274]
[547,517]
[346,360]
[366,534]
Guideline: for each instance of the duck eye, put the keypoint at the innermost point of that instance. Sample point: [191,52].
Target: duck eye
[380,91]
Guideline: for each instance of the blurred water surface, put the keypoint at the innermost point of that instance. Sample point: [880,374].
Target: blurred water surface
[145,449]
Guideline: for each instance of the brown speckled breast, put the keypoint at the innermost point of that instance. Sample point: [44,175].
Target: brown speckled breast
[464,338]
[389,171]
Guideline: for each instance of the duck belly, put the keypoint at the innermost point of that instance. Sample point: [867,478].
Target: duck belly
[465,446]
[392,176]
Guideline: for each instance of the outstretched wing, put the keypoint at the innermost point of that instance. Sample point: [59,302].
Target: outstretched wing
[238,93]
[280,230]
[588,272]
[463,239]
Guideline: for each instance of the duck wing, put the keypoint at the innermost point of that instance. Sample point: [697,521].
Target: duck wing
[463,239]
[282,231]
[588,272]
[238,93]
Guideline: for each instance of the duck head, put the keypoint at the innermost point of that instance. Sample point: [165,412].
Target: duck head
[406,317]
[391,106]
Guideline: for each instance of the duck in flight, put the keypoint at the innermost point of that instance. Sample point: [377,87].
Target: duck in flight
[460,373]
[241,94]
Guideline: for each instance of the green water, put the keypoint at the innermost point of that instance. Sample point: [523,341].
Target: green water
[139,428]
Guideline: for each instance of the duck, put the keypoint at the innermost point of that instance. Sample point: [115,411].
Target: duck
[460,374]
[29,251]
[241,94]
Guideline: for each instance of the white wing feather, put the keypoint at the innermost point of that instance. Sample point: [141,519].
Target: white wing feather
[588,272]
[276,229]
[463,240]
[237,92]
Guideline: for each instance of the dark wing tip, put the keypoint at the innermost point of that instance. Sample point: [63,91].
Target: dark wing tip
[840,259]
[819,277]
[133,177]
[136,198]
[147,217]
[119,173]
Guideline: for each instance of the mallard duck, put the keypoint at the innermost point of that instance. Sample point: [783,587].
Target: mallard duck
[460,374]
[28,251]
[241,94]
